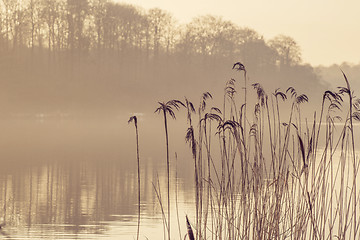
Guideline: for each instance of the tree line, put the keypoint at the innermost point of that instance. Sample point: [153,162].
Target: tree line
[98,53]
[84,26]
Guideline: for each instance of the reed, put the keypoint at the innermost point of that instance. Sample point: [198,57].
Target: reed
[257,176]
[168,109]
[135,120]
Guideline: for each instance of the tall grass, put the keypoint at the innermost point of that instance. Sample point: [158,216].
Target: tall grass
[135,120]
[168,109]
[262,174]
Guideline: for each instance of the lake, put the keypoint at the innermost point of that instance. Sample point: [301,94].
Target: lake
[77,179]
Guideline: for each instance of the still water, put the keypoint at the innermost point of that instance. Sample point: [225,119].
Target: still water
[76,179]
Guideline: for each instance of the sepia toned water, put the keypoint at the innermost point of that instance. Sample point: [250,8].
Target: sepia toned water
[77,179]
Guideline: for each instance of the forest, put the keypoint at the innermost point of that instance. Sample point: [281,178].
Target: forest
[91,56]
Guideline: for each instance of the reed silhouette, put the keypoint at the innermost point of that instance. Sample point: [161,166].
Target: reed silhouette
[135,120]
[280,179]
[189,230]
[168,109]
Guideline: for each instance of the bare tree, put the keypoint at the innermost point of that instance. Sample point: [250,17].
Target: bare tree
[34,16]
[99,12]
[211,36]
[77,11]
[288,50]
[160,25]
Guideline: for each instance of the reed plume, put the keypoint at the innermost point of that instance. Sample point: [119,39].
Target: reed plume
[168,109]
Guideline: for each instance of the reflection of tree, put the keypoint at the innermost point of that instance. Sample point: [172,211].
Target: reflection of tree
[74,193]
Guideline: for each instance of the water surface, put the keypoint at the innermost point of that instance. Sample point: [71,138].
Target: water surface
[77,179]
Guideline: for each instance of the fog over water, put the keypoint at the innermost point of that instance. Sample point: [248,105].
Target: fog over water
[71,179]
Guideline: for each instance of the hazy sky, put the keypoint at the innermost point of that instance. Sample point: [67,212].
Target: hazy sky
[328,31]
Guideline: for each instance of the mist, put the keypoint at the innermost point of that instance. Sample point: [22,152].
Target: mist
[72,73]
[102,58]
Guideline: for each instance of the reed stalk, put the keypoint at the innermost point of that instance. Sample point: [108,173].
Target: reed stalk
[168,108]
[135,120]
[262,178]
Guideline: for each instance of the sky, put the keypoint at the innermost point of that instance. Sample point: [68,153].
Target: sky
[328,31]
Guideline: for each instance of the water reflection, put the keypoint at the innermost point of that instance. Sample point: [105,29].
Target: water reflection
[76,181]
[74,197]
